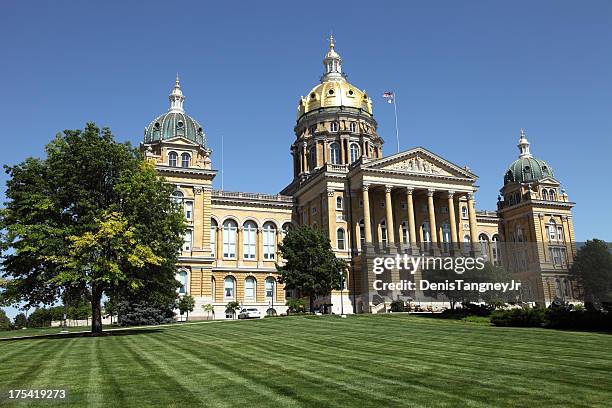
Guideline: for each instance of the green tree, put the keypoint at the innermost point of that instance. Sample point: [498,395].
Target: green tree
[208,308]
[295,305]
[20,321]
[310,263]
[592,269]
[186,304]
[5,322]
[232,307]
[110,307]
[92,217]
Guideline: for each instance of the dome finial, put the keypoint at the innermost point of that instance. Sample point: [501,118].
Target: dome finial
[176,97]
[523,145]
[332,63]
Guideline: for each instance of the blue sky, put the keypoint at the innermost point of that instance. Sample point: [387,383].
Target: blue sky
[468,75]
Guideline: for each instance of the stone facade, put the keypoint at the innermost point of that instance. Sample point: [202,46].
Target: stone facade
[413,202]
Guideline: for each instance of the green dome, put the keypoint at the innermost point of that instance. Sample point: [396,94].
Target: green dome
[527,169]
[175,124]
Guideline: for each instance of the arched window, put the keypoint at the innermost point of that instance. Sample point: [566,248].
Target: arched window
[446,237]
[249,288]
[177,197]
[229,288]
[495,249]
[334,153]
[269,241]
[362,233]
[353,127]
[553,195]
[464,212]
[354,152]
[270,288]
[340,237]
[213,238]
[172,159]
[182,278]
[230,229]
[213,285]
[383,232]
[519,234]
[286,228]
[338,203]
[249,240]
[185,159]
[426,232]
[333,126]
[544,194]
[484,245]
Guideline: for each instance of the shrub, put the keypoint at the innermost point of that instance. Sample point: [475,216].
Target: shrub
[295,305]
[144,313]
[518,317]
[397,306]
[478,310]
[577,319]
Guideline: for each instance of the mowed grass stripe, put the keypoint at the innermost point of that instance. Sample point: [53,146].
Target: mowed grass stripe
[368,362]
[364,361]
[294,366]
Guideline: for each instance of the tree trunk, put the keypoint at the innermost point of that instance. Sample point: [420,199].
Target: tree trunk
[312,303]
[96,311]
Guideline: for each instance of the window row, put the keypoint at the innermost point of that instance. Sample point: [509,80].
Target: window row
[173,159]
[250,288]
[249,239]
[549,194]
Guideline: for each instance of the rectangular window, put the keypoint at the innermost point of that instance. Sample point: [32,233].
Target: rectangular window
[249,241]
[269,243]
[187,241]
[213,241]
[189,210]
[229,242]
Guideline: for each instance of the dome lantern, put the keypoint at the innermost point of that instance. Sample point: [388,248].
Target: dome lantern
[526,168]
[175,122]
[332,63]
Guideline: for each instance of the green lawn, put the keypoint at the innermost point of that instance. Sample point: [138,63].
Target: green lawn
[361,361]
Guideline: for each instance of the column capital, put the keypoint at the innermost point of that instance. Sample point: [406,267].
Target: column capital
[330,192]
[388,188]
[450,193]
[430,192]
[470,196]
[365,187]
[409,190]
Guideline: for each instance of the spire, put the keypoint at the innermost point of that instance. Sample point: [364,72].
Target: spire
[176,97]
[523,145]
[332,63]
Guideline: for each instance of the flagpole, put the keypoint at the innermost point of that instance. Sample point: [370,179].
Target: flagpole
[221,162]
[396,127]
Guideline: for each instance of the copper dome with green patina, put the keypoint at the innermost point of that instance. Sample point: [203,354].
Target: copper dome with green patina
[526,168]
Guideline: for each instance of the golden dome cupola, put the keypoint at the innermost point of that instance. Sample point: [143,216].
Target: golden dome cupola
[334,91]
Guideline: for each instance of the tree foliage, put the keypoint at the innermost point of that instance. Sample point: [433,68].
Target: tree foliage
[5,322]
[186,304]
[91,218]
[592,269]
[311,265]
[20,321]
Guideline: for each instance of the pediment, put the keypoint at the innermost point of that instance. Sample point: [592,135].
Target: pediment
[180,140]
[419,161]
[548,180]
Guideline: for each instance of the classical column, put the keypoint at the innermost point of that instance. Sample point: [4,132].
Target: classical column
[433,230]
[451,218]
[366,215]
[342,152]
[472,216]
[389,216]
[304,159]
[411,223]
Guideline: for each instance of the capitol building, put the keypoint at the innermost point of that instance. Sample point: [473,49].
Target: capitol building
[368,204]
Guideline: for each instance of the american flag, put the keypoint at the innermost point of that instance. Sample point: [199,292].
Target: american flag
[389,96]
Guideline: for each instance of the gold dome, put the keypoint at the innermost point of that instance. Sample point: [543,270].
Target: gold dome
[334,90]
[334,94]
